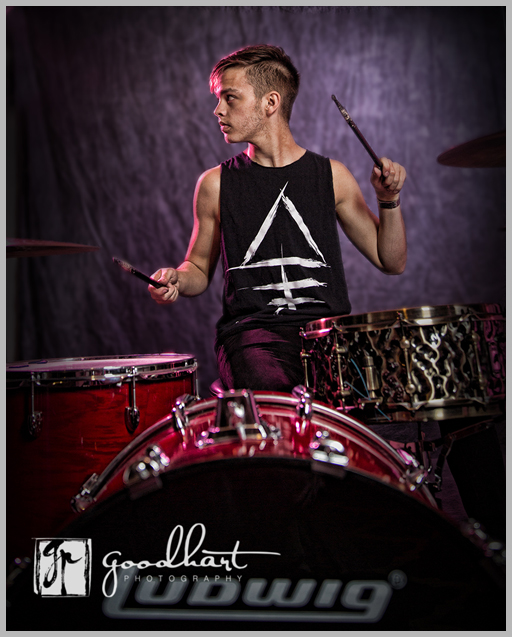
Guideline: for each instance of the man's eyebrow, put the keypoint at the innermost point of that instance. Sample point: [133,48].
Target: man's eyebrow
[227,90]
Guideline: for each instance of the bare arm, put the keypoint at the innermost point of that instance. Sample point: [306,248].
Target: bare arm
[193,276]
[382,239]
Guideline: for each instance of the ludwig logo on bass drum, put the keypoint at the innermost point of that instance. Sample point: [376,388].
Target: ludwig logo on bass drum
[357,601]
[146,590]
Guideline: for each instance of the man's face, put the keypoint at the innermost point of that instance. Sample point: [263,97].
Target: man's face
[241,116]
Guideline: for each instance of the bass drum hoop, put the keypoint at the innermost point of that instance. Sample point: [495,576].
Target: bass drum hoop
[324,417]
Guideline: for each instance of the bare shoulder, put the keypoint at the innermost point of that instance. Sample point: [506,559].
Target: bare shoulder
[338,168]
[341,175]
[207,195]
[209,181]
[344,183]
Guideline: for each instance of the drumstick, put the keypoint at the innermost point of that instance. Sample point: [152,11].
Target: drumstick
[126,266]
[356,130]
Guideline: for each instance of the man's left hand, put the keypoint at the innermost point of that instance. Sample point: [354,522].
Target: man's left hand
[389,182]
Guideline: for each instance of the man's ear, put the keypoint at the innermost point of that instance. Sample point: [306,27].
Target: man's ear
[272,102]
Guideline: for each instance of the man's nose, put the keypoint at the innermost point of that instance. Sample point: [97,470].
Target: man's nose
[218,110]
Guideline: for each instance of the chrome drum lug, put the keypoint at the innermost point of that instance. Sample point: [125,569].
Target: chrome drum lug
[180,419]
[237,417]
[131,413]
[324,449]
[86,496]
[148,466]
[415,474]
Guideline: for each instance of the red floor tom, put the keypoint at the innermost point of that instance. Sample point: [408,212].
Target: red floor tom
[68,418]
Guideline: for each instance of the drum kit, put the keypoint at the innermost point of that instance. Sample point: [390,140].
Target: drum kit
[333,525]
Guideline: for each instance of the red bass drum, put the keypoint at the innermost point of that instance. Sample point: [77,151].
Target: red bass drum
[266,511]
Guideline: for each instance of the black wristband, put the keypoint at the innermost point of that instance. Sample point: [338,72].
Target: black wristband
[389,204]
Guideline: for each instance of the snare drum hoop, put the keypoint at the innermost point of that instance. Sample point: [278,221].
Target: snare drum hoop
[103,370]
[416,316]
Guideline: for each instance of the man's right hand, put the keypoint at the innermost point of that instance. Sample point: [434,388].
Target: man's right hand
[168,294]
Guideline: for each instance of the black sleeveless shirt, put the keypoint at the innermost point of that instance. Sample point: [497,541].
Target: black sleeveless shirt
[280,248]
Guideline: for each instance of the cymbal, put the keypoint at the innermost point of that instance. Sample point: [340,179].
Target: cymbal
[36,248]
[483,152]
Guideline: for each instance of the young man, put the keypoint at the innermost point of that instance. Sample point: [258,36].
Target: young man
[270,213]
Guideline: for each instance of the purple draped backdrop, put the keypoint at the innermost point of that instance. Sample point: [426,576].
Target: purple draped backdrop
[110,124]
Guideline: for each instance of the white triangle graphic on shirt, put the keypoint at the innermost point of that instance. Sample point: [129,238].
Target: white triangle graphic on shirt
[269,220]
[285,285]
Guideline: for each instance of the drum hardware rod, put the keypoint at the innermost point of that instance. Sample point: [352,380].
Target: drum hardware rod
[447,442]
[35,418]
[341,350]
[410,388]
[482,381]
[196,384]
[132,414]
[374,383]
[305,358]
[372,377]
[423,453]
[358,133]
[341,388]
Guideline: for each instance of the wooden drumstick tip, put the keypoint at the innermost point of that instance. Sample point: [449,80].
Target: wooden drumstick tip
[129,268]
[341,108]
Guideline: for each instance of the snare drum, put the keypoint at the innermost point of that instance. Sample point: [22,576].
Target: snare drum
[67,418]
[419,364]
[267,510]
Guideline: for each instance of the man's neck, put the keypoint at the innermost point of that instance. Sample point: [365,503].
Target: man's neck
[276,152]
